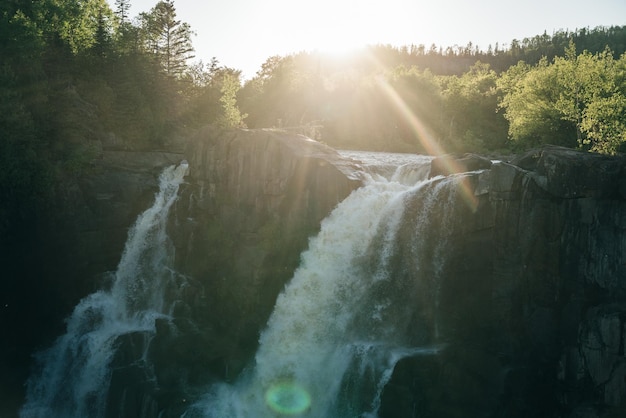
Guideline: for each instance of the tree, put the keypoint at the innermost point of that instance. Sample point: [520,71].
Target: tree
[604,122]
[121,11]
[230,116]
[102,36]
[167,38]
[577,100]
[587,81]
[529,98]
[470,104]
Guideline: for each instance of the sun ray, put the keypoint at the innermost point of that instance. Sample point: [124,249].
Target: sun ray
[426,138]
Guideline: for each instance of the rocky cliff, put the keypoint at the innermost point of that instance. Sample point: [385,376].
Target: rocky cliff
[64,254]
[250,203]
[530,304]
[533,296]
[531,301]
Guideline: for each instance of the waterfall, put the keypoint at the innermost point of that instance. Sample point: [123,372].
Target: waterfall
[73,375]
[339,326]
[364,296]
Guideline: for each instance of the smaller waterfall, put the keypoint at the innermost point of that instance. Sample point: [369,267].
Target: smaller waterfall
[73,376]
[339,326]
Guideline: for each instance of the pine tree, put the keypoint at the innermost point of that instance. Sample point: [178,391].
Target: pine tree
[123,6]
[167,38]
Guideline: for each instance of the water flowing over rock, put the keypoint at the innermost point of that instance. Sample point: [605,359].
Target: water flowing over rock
[532,304]
[321,284]
[66,254]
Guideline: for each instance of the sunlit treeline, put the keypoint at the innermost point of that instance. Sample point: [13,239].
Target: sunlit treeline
[77,76]
[368,101]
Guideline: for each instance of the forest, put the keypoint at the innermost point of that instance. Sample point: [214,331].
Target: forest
[80,76]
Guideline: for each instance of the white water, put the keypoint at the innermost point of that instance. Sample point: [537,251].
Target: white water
[331,336]
[337,330]
[74,373]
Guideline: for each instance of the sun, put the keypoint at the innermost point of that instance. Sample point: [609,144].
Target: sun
[340,26]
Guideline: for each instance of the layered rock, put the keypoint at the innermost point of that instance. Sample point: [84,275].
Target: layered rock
[533,297]
[253,200]
[64,253]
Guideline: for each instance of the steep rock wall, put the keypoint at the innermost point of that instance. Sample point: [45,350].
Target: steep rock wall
[532,304]
[252,200]
[64,253]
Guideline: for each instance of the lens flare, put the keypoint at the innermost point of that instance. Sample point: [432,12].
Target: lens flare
[426,138]
[287,398]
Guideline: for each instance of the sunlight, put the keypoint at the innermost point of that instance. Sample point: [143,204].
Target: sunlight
[421,131]
[425,136]
[340,27]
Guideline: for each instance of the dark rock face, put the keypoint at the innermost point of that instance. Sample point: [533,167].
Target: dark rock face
[63,256]
[531,303]
[448,164]
[253,200]
[533,298]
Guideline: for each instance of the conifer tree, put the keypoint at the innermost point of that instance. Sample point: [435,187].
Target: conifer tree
[121,11]
[167,38]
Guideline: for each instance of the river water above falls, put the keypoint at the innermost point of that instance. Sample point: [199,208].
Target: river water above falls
[337,329]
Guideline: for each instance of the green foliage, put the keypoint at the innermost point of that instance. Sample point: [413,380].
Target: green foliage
[167,38]
[604,122]
[529,102]
[398,107]
[471,120]
[230,116]
[212,96]
[577,99]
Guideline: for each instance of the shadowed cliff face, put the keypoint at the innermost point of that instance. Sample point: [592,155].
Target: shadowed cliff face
[252,201]
[533,298]
[529,303]
[63,254]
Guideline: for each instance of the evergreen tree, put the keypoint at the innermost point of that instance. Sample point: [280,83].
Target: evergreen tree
[102,36]
[167,38]
[121,11]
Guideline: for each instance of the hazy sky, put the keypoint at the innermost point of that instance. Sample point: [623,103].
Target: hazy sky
[242,34]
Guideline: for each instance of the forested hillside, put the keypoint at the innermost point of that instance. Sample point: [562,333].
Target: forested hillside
[567,89]
[78,76]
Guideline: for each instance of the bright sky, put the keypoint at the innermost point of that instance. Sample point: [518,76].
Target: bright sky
[242,34]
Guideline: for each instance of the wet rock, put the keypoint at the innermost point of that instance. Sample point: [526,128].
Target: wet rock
[543,308]
[449,164]
[254,198]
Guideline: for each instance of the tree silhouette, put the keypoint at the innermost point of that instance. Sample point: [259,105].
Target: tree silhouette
[167,38]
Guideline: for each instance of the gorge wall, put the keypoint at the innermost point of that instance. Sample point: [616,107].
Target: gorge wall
[63,255]
[532,302]
[531,299]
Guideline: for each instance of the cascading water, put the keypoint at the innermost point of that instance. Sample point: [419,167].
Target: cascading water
[74,373]
[337,330]
[339,326]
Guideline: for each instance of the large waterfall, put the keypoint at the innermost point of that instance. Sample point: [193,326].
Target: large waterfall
[74,373]
[337,330]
